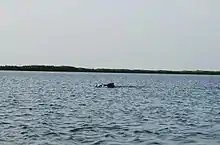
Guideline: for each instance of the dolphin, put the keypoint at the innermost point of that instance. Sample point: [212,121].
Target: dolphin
[109,85]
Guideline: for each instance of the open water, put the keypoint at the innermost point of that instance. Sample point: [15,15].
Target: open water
[42,108]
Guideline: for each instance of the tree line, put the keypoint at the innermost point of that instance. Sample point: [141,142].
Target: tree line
[101,70]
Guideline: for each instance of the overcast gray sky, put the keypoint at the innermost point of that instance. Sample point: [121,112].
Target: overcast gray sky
[146,34]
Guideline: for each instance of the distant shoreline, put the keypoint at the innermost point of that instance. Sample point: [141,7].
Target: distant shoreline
[52,68]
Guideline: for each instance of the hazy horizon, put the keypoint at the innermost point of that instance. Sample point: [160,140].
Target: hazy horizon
[141,34]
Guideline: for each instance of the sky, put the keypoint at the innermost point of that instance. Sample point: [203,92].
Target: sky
[134,34]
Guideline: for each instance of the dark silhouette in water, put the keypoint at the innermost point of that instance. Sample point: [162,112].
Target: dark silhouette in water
[109,85]
[112,85]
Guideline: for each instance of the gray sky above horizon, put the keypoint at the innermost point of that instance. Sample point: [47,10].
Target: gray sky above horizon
[145,34]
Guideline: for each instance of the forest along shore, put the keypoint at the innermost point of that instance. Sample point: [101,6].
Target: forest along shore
[100,70]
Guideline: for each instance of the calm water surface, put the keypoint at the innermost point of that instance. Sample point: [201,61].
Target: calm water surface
[40,108]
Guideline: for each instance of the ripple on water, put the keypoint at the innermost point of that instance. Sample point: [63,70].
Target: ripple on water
[65,108]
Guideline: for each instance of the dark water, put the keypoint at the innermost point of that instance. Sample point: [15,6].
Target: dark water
[66,109]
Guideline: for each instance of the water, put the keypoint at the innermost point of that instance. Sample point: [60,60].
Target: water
[40,108]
